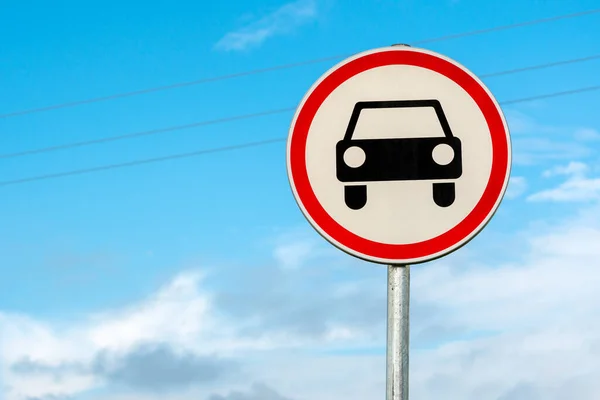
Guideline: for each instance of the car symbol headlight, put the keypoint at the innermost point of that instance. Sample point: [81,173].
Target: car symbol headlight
[443,154]
[354,157]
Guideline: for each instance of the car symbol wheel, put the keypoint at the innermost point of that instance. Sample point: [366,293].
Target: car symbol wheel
[444,193]
[355,196]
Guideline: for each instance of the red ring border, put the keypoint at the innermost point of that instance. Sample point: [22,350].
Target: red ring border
[419,250]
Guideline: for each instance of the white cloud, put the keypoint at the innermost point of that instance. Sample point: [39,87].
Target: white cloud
[521,123]
[256,392]
[577,188]
[573,168]
[285,19]
[181,315]
[535,142]
[293,255]
[518,329]
[587,134]
[300,247]
[539,150]
[516,187]
[540,312]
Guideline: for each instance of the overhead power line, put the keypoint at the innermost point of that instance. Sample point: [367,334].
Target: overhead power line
[239,146]
[542,66]
[550,95]
[510,26]
[248,116]
[144,161]
[144,133]
[288,66]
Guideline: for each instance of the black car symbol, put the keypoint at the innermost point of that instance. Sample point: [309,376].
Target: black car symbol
[403,159]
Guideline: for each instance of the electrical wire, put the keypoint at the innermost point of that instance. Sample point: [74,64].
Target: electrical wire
[238,146]
[510,26]
[249,116]
[144,133]
[287,66]
[542,66]
[144,161]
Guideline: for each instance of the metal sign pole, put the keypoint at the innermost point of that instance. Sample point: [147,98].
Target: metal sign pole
[398,296]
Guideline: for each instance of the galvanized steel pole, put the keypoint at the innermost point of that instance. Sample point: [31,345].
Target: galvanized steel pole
[398,295]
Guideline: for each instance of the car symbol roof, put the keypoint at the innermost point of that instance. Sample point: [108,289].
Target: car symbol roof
[362,105]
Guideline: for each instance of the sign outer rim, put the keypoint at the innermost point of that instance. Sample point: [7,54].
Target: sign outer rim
[384,260]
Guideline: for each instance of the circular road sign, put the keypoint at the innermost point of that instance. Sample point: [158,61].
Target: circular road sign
[398,155]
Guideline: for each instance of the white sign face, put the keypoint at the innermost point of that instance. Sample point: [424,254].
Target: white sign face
[399,155]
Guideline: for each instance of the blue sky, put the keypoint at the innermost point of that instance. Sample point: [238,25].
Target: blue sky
[95,247]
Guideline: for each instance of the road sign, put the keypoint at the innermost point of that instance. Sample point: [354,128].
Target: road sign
[398,155]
